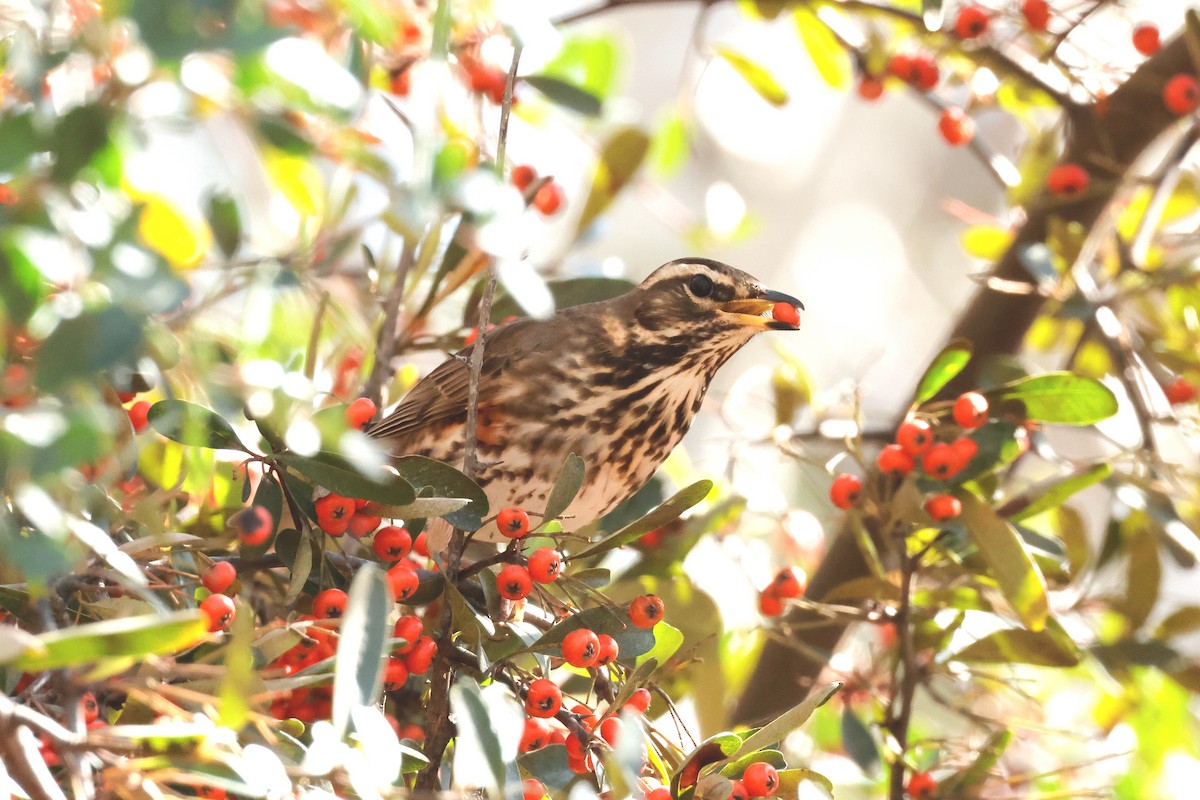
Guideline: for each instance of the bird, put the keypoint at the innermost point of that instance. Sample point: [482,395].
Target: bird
[616,382]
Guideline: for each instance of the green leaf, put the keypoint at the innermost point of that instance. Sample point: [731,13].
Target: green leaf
[735,767]
[717,749]
[338,475]
[1179,623]
[488,725]
[669,146]
[78,135]
[548,765]
[620,159]
[859,743]
[362,644]
[790,780]
[1045,648]
[827,53]
[239,679]
[226,223]
[1143,576]
[1051,494]
[565,94]
[188,423]
[20,140]
[22,286]
[126,637]
[570,481]
[667,641]
[433,478]
[1057,397]
[777,729]
[942,370]
[1009,563]
[84,345]
[421,508]
[668,511]
[588,61]
[961,784]
[758,77]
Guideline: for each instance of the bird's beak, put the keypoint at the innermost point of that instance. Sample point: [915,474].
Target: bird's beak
[756,311]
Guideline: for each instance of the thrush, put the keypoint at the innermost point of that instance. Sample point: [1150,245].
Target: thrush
[617,382]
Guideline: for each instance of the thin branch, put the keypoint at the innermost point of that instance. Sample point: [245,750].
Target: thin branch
[385,348]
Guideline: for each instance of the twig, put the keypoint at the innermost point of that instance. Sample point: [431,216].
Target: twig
[314,337]
[901,708]
[385,348]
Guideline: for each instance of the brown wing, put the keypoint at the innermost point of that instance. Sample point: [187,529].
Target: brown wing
[441,396]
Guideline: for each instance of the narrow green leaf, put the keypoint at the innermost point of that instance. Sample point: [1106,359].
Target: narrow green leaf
[668,511]
[1051,494]
[300,567]
[778,728]
[620,159]
[1009,563]
[226,223]
[488,726]
[86,344]
[757,76]
[422,508]
[188,423]
[1019,646]
[667,641]
[942,370]
[1057,397]
[1143,576]
[338,475]
[237,683]
[1179,623]
[435,479]
[570,481]
[827,53]
[735,767]
[132,637]
[859,743]
[961,784]
[362,646]
[565,94]
[790,780]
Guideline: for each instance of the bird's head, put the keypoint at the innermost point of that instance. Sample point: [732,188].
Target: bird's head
[698,297]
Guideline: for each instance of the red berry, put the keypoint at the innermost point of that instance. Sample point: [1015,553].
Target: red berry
[1037,14]
[89,708]
[956,127]
[761,779]
[646,611]
[611,729]
[965,448]
[972,22]
[639,701]
[915,437]
[1067,180]
[549,198]
[609,650]
[395,674]
[535,736]
[942,462]
[661,793]
[1182,94]
[845,490]
[409,628]
[943,507]
[1146,39]
[894,461]
[514,583]
[219,577]
[421,658]
[404,581]
[392,543]
[921,786]
[543,699]
[786,313]
[870,87]
[790,582]
[139,416]
[362,524]
[420,547]
[545,565]
[219,609]
[738,791]
[211,792]
[1180,391]
[253,525]
[769,603]
[401,83]
[970,410]
[334,513]
[925,72]
[523,175]
[581,648]
[513,522]
[359,412]
[532,789]
[329,604]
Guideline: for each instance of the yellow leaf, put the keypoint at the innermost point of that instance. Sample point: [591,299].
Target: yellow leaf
[986,241]
[298,181]
[756,75]
[180,238]
[828,55]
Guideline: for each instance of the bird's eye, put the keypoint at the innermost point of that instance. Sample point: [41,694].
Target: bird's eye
[701,285]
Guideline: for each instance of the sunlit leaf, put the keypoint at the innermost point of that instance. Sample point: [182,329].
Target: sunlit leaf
[962,783]
[565,94]
[1043,648]
[667,641]
[620,159]
[755,75]
[1143,575]
[587,60]
[1180,622]
[777,729]
[669,146]
[668,511]
[239,678]
[1053,493]
[988,242]
[791,779]
[181,238]
[1057,397]
[943,368]
[191,424]
[828,54]
[114,638]
[1008,562]
[298,180]
[362,644]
